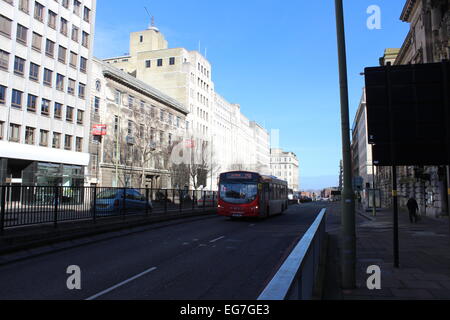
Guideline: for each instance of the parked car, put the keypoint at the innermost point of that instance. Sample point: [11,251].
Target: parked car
[112,200]
[208,201]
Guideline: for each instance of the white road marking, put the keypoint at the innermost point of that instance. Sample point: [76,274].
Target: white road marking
[215,240]
[121,284]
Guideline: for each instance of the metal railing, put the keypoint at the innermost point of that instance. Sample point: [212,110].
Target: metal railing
[23,206]
[296,278]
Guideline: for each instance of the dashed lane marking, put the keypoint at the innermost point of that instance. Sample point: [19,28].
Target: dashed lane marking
[121,284]
[215,240]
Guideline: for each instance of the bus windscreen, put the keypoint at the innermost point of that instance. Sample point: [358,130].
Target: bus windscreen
[238,193]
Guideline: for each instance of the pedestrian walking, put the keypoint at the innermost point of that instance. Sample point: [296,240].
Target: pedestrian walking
[413,207]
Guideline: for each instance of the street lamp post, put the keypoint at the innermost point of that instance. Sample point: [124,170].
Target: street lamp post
[348,234]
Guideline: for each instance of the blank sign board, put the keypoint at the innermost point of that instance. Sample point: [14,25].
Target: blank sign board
[408,114]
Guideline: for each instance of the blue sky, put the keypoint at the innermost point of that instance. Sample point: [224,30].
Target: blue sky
[276,58]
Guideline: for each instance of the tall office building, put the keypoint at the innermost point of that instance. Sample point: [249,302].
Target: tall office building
[237,142]
[45,57]
[184,75]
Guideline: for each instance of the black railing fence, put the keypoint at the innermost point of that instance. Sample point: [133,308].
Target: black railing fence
[23,206]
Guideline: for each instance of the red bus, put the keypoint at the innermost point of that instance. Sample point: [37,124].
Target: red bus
[249,194]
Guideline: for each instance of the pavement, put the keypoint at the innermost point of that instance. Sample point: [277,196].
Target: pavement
[424,272]
[200,259]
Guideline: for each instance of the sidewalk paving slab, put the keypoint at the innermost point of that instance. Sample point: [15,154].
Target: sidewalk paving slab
[424,272]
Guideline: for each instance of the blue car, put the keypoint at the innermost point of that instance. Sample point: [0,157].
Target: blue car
[110,201]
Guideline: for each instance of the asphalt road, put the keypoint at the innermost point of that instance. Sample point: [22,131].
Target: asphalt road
[213,258]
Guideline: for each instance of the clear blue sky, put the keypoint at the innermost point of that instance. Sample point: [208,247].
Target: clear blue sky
[277,59]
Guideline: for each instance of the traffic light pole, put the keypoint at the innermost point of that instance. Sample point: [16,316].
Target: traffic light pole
[348,234]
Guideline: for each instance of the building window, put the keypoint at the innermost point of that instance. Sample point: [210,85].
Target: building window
[14,132]
[130,128]
[24,5]
[56,143]
[59,82]
[117,97]
[130,102]
[148,64]
[19,66]
[2,128]
[16,100]
[50,48]
[76,7]
[34,71]
[5,26]
[160,62]
[96,105]
[45,107]
[85,39]
[63,28]
[36,42]
[65,3]
[29,135]
[79,144]
[69,114]
[68,142]
[2,94]
[4,60]
[87,14]
[172,61]
[73,59]
[39,11]
[75,32]
[51,19]
[71,87]
[48,74]
[80,115]
[81,91]
[32,103]
[22,34]
[83,64]
[62,54]
[58,110]
[43,141]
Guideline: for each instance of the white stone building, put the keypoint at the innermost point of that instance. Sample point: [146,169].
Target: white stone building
[142,127]
[285,166]
[45,61]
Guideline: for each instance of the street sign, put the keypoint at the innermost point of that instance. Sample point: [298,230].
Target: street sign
[99,130]
[408,113]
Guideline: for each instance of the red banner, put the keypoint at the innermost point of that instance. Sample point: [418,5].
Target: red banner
[99,130]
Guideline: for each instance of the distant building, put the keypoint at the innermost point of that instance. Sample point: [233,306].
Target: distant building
[363,167]
[285,165]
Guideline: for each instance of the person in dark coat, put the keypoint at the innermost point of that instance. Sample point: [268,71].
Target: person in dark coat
[413,207]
